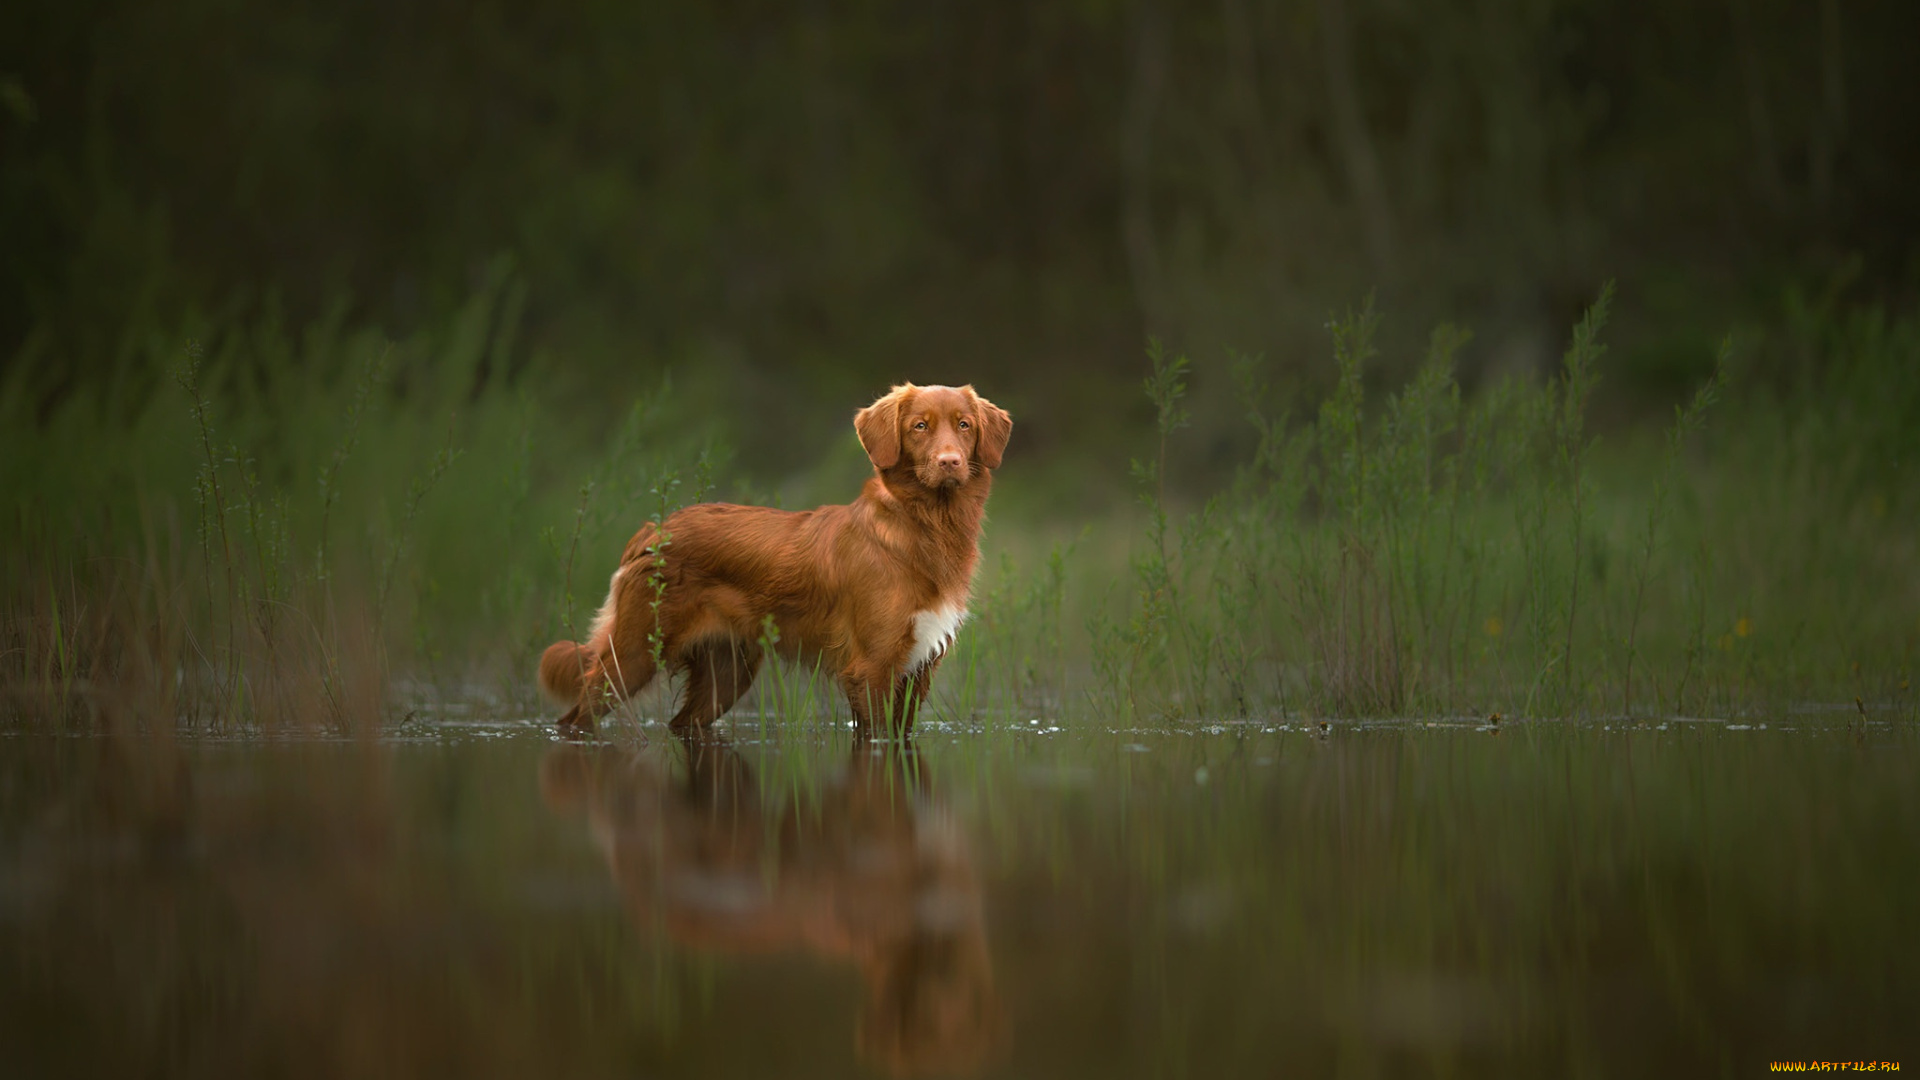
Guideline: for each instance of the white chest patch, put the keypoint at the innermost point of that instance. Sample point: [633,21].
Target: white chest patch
[933,634]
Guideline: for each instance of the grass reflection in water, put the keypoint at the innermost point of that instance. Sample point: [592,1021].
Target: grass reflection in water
[1444,896]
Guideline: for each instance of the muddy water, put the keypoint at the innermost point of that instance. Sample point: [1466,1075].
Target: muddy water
[1001,898]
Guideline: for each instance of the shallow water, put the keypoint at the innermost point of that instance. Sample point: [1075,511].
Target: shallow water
[1001,898]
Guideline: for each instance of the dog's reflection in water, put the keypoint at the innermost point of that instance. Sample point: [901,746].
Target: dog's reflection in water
[869,869]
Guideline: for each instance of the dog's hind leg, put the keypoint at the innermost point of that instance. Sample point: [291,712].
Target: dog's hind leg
[719,671]
[611,678]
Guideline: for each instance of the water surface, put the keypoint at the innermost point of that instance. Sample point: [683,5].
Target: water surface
[1001,897]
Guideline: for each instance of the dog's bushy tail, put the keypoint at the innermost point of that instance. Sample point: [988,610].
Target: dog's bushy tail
[565,666]
[563,669]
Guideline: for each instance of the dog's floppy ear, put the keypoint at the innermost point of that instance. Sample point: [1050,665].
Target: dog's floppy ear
[878,426]
[996,427]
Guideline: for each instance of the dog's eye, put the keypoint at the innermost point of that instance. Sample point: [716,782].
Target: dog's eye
[919,425]
[964,425]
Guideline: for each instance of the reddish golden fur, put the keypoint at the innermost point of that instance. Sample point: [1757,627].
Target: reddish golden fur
[843,584]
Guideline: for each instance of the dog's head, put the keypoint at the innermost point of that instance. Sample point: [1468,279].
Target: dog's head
[946,434]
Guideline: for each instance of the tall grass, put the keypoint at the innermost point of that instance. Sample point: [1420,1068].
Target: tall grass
[297,524]
[292,521]
[1688,420]
[1435,552]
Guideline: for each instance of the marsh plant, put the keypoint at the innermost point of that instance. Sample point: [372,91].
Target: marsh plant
[291,524]
[274,533]
[1433,552]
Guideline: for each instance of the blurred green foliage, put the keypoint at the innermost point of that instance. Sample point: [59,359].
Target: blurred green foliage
[808,203]
[1430,552]
[292,519]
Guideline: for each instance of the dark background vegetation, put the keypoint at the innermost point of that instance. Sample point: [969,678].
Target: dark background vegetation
[809,201]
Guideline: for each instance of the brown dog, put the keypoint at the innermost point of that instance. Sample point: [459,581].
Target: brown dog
[874,591]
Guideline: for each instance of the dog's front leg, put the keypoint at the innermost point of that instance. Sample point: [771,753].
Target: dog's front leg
[884,700]
[910,692]
[866,696]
